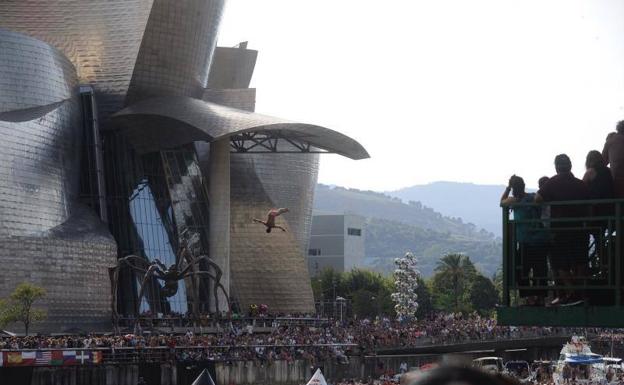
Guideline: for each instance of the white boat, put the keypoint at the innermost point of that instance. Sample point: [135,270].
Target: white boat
[520,370]
[578,362]
[614,365]
[612,362]
[489,364]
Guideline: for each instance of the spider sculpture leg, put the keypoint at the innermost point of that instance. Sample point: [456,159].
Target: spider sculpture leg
[150,271]
[216,286]
[113,273]
[137,265]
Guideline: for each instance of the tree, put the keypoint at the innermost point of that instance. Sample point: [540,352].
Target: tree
[425,303]
[483,294]
[328,285]
[497,279]
[405,282]
[19,307]
[369,292]
[454,272]
[368,283]
[363,302]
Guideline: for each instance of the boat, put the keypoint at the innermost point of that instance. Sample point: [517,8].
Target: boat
[519,370]
[612,362]
[578,362]
[613,365]
[492,365]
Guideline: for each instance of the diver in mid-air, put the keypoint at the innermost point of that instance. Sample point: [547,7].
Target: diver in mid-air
[270,221]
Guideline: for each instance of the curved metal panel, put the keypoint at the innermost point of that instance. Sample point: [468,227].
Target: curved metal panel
[240,98]
[71,262]
[288,180]
[232,68]
[176,50]
[259,182]
[40,129]
[45,238]
[268,268]
[284,180]
[32,73]
[100,37]
[39,171]
[167,122]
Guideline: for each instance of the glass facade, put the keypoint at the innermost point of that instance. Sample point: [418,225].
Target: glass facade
[155,202]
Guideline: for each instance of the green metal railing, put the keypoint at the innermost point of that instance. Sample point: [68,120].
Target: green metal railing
[570,248]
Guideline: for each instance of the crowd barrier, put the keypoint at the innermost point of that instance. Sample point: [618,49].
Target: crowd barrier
[133,355]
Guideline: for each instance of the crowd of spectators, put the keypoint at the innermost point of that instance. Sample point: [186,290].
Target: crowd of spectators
[557,246]
[442,328]
[287,339]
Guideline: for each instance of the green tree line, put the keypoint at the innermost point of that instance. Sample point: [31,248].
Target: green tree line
[456,285]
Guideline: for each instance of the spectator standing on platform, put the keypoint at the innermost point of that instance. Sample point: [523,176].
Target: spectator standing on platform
[613,154]
[600,183]
[598,177]
[528,240]
[569,252]
[545,209]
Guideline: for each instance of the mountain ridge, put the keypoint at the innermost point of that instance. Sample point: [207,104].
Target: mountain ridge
[394,227]
[475,203]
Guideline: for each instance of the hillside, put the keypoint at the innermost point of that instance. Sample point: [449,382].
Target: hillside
[372,204]
[471,202]
[394,227]
[386,240]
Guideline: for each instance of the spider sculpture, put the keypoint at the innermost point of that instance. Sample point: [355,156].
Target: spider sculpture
[170,276]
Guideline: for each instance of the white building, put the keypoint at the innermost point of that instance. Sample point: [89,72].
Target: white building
[337,242]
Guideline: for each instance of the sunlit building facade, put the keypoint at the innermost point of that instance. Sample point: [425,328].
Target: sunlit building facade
[128,132]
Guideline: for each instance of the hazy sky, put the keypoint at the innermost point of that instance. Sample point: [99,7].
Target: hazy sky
[455,90]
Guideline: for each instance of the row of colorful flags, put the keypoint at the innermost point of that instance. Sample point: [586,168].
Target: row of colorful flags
[50,358]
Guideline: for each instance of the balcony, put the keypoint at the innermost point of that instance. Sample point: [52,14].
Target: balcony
[563,249]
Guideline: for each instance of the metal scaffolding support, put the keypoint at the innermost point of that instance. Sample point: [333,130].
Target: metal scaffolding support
[270,142]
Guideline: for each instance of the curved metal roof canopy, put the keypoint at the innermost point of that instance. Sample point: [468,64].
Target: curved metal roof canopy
[172,121]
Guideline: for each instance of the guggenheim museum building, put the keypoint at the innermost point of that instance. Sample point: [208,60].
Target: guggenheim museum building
[127,131]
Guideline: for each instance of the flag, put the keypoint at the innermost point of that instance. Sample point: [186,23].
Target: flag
[14,358]
[69,357]
[317,378]
[82,357]
[96,357]
[57,357]
[28,358]
[43,357]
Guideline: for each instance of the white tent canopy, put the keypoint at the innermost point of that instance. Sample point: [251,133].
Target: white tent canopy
[317,378]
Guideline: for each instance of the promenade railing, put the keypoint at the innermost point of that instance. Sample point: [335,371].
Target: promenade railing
[568,250]
[181,322]
[157,354]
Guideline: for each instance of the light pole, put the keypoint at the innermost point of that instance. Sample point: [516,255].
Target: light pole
[341,301]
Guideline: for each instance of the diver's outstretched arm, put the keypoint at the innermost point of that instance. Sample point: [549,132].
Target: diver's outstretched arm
[259,221]
[280,227]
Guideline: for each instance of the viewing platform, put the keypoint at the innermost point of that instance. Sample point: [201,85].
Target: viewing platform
[568,250]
